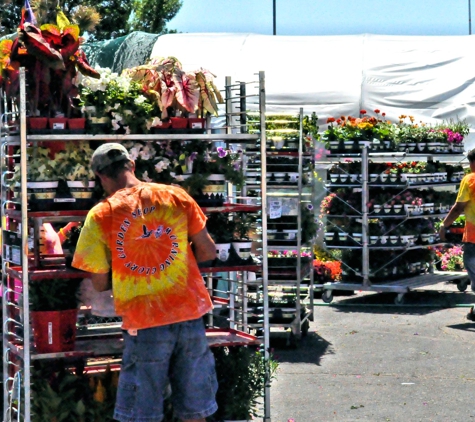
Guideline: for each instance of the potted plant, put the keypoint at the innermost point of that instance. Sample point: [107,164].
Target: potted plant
[221,229]
[73,166]
[42,178]
[54,309]
[243,227]
[241,373]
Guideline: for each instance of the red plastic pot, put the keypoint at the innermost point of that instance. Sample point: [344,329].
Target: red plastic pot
[54,331]
[37,123]
[77,123]
[179,122]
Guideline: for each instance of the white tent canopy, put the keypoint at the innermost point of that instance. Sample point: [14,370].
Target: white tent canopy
[428,77]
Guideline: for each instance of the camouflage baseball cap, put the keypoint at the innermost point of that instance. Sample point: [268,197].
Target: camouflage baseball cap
[107,154]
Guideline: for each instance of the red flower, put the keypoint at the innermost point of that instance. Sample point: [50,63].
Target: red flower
[383,114]
[362,111]
[377,111]
[330,120]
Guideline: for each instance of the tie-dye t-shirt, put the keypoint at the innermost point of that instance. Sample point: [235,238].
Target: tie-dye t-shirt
[142,234]
[467,194]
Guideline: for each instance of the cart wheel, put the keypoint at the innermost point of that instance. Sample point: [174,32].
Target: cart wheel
[304,328]
[327,296]
[399,299]
[462,285]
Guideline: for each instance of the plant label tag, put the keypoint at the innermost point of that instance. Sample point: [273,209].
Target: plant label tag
[275,209]
[58,126]
[376,141]
[50,333]
[64,199]
[197,125]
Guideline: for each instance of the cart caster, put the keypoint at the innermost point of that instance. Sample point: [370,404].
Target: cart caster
[304,328]
[399,300]
[462,285]
[471,314]
[327,296]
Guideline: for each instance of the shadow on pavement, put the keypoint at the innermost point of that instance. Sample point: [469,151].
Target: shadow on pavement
[310,349]
[416,302]
[468,326]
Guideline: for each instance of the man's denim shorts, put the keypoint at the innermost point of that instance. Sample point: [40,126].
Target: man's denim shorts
[177,354]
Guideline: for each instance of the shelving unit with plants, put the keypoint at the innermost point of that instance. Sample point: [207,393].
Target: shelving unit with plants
[383,207]
[290,219]
[26,211]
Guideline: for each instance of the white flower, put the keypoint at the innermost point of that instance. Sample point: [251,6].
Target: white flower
[146,153]
[162,165]
[128,112]
[134,153]
[115,124]
[140,99]
[145,177]
[153,122]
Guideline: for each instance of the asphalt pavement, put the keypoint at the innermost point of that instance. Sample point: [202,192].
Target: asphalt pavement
[367,359]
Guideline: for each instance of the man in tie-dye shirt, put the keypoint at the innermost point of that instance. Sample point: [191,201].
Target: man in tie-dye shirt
[465,204]
[144,240]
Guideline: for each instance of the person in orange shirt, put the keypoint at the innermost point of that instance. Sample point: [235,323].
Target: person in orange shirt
[139,241]
[465,204]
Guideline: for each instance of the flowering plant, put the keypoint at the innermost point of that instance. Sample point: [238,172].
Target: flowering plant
[288,254]
[131,108]
[356,128]
[74,162]
[40,167]
[326,271]
[451,259]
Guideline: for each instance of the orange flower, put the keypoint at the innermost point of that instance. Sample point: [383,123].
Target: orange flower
[330,120]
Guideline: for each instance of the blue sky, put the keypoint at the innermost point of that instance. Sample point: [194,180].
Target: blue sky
[330,17]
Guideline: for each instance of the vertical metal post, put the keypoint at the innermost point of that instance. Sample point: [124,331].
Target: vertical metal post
[243,106]
[298,307]
[265,281]
[24,247]
[229,103]
[274,18]
[469,17]
[364,210]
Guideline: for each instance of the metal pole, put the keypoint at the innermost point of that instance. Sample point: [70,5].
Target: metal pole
[274,17]
[469,17]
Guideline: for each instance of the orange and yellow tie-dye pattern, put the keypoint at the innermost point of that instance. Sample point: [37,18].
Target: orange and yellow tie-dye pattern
[467,194]
[155,278]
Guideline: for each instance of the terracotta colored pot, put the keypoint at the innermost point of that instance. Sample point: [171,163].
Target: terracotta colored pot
[179,122]
[37,123]
[77,123]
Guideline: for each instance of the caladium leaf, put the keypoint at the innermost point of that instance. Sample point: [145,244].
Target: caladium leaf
[83,65]
[207,99]
[52,34]
[61,19]
[167,95]
[37,46]
[187,92]
[72,30]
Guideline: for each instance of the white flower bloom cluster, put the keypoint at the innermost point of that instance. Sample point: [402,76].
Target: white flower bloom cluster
[107,76]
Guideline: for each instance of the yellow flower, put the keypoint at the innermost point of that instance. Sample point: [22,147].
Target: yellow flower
[100,394]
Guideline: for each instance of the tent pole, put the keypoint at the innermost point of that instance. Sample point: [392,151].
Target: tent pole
[274,17]
[469,17]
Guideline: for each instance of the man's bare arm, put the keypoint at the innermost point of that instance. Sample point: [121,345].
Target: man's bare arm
[203,246]
[101,282]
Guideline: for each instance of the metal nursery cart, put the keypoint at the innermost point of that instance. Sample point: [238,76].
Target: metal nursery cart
[362,183]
